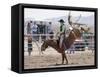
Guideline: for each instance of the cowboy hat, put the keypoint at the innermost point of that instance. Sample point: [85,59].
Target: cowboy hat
[61,20]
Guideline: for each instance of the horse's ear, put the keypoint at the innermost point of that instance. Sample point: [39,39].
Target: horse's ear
[85,30]
[82,29]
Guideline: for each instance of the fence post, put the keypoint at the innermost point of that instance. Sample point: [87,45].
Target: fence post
[40,40]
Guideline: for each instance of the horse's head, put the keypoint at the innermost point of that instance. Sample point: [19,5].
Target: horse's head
[76,29]
[44,46]
[86,29]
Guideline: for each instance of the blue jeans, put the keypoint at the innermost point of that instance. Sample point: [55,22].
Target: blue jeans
[61,40]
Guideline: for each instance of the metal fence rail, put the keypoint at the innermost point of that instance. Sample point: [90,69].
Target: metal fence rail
[81,44]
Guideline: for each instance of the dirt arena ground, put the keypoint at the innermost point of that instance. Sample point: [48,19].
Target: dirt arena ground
[51,58]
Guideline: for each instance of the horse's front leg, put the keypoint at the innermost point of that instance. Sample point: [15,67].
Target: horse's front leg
[62,58]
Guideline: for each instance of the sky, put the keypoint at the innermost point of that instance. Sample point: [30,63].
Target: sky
[42,14]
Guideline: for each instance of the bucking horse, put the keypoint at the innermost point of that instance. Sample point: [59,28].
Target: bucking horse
[75,33]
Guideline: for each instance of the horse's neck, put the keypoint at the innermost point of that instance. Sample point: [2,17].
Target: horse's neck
[72,37]
[69,41]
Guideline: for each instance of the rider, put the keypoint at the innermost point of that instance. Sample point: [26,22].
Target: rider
[62,32]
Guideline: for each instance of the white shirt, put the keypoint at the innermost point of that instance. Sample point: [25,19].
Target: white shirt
[34,28]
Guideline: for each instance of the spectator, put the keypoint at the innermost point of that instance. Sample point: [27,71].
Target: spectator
[34,30]
[30,45]
[28,28]
[49,27]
